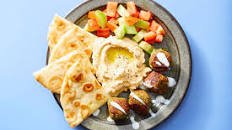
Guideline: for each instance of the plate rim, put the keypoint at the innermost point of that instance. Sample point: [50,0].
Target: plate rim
[177,105]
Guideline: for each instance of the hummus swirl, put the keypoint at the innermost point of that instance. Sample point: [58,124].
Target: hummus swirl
[119,64]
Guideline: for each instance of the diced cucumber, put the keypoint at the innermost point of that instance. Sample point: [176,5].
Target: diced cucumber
[101,18]
[146,47]
[122,11]
[139,36]
[121,21]
[120,31]
[130,29]
[142,24]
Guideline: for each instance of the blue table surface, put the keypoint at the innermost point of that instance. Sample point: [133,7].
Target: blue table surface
[24,104]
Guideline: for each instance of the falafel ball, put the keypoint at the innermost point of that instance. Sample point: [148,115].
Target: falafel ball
[118,108]
[140,102]
[156,82]
[160,60]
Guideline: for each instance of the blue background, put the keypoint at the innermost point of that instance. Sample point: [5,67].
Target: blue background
[24,104]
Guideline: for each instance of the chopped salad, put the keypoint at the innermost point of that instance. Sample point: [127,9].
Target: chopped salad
[116,19]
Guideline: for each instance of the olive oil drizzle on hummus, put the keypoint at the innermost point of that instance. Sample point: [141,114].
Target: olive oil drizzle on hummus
[115,53]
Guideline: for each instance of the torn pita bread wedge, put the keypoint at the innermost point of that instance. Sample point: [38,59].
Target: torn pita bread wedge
[58,27]
[72,40]
[81,94]
[51,76]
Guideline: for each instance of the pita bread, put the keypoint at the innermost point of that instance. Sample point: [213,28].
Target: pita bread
[81,94]
[51,76]
[58,27]
[72,40]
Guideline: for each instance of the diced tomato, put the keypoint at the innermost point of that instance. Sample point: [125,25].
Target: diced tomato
[108,18]
[92,25]
[132,9]
[159,38]
[114,21]
[136,14]
[91,15]
[145,15]
[103,32]
[138,29]
[155,27]
[111,9]
[116,15]
[150,37]
[131,20]
[111,25]
[160,30]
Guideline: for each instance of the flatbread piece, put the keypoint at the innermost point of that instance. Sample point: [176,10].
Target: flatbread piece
[58,27]
[72,40]
[52,75]
[81,94]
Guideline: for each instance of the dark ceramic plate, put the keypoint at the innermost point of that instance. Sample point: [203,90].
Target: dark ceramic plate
[174,41]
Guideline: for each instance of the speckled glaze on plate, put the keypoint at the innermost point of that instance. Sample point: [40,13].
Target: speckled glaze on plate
[174,41]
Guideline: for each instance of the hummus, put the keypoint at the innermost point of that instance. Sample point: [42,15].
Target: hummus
[119,64]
